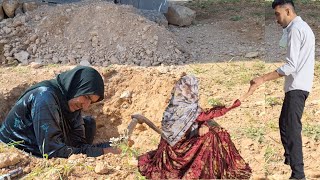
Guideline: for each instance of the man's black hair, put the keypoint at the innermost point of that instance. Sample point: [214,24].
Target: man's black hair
[281,2]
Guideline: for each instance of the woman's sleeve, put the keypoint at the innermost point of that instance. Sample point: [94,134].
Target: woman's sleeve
[77,135]
[216,112]
[49,136]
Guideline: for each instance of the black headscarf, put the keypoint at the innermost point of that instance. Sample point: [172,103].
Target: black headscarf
[81,80]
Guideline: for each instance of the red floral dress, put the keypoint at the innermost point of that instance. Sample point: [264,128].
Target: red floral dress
[210,156]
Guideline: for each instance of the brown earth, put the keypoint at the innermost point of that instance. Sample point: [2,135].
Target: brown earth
[253,126]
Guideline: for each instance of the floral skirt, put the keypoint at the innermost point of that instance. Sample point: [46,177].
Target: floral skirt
[210,156]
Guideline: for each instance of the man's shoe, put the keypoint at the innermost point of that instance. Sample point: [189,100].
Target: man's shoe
[298,179]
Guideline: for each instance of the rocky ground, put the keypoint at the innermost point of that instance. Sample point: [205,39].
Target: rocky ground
[239,30]
[214,48]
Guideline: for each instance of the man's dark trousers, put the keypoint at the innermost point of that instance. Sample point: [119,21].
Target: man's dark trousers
[290,130]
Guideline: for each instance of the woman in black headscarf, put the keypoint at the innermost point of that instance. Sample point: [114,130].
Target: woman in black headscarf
[46,120]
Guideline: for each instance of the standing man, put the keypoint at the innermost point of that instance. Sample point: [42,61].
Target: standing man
[298,72]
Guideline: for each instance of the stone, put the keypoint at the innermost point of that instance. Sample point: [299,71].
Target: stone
[22,57]
[72,60]
[29,6]
[85,63]
[33,38]
[252,54]
[9,159]
[114,60]
[125,94]
[55,60]
[35,65]
[105,64]
[3,59]
[9,7]
[101,168]
[77,156]
[16,23]
[180,15]
[4,41]
[7,30]
[133,162]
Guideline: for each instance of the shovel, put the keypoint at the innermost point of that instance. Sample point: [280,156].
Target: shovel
[138,118]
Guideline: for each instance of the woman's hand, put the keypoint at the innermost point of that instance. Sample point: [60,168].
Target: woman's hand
[111,150]
[130,142]
[203,130]
[254,84]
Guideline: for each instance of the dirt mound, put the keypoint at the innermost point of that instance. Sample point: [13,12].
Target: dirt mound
[98,32]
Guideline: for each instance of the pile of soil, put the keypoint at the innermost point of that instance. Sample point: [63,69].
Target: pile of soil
[99,32]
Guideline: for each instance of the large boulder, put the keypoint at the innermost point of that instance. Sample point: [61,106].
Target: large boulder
[180,15]
[9,7]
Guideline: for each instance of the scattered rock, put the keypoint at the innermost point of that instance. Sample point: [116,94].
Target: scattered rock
[3,59]
[85,63]
[36,65]
[77,156]
[22,57]
[9,159]
[125,94]
[33,38]
[101,168]
[29,6]
[252,54]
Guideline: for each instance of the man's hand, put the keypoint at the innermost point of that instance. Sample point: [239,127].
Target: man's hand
[257,81]
[203,130]
[111,150]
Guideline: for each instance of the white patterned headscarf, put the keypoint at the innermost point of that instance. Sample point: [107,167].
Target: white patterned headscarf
[182,110]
